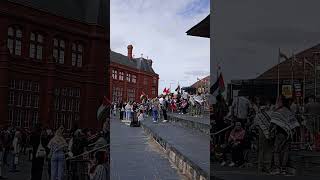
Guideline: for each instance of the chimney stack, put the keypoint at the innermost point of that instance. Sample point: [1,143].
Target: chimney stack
[130,47]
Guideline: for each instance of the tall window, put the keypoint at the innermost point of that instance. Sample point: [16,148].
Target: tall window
[35,101]
[154,81]
[34,118]
[11,98]
[67,105]
[121,76]
[26,120]
[58,50]
[23,104]
[128,77]
[14,40]
[131,94]
[153,91]
[20,100]
[134,78]
[28,100]
[114,74]
[77,54]
[36,46]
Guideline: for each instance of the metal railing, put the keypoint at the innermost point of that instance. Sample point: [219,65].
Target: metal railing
[307,136]
[77,167]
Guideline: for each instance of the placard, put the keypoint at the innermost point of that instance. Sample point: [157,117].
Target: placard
[287,91]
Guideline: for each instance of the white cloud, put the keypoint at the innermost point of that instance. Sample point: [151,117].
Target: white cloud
[157,29]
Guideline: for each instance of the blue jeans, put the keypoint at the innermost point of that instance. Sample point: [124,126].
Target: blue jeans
[128,113]
[57,165]
[155,115]
[13,165]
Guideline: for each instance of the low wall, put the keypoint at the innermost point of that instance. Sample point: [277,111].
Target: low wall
[202,127]
[185,165]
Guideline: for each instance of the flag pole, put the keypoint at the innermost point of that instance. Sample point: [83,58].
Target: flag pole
[278,74]
[293,58]
[304,81]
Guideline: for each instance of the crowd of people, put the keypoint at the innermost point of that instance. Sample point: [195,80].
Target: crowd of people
[158,107]
[55,149]
[267,126]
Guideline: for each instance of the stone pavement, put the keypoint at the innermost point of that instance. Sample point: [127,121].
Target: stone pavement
[135,156]
[189,142]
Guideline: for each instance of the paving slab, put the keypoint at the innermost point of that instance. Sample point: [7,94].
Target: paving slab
[135,156]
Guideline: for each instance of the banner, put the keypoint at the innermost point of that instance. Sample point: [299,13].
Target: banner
[287,91]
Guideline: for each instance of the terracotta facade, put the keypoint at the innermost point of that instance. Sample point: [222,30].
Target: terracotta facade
[52,69]
[129,83]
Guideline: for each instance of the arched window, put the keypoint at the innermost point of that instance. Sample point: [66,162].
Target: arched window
[14,40]
[77,54]
[36,46]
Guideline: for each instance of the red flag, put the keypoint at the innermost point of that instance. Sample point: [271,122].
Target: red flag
[168,91]
[165,90]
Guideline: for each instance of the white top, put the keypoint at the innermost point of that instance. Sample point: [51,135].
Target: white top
[240,107]
[161,100]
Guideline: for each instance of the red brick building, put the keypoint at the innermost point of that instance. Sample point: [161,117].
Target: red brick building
[130,77]
[52,61]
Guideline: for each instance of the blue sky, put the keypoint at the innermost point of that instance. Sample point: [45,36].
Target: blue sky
[156,28]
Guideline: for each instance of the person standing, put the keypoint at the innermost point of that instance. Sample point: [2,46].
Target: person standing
[121,109]
[114,108]
[16,144]
[37,162]
[128,111]
[57,146]
[283,122]
[164,107]
[240,109]
[155,110]
[220,111]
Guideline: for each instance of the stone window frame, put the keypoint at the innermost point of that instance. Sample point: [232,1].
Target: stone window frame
[14,39]
[77,52]
[59,49]
[36,45]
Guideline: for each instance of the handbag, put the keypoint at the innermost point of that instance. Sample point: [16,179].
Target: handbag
[41,151]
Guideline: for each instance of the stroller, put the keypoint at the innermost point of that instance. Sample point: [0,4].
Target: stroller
[134,120]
